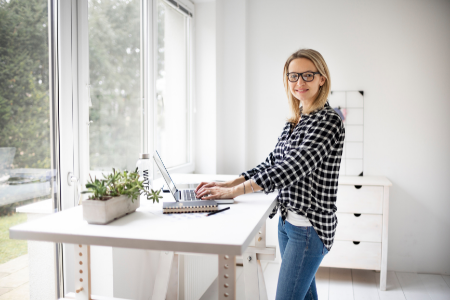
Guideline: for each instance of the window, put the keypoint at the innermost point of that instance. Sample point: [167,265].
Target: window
[25,164]
[115,84]
[27,171]
[96,56]
[172,87]
[117,116]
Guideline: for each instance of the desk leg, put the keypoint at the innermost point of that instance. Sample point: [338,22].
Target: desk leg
[83,272]
[227,277]
[260,242]
[261,283]
[260,238]
[255,286]
[163,277]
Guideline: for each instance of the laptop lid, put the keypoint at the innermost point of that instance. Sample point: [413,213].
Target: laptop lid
[165,174]
[171,185]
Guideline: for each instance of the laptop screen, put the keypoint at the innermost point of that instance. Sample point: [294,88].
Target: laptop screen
[165,174]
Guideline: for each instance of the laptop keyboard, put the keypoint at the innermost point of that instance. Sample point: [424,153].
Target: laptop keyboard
[189,195]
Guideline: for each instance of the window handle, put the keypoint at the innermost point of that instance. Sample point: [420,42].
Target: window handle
[73,180]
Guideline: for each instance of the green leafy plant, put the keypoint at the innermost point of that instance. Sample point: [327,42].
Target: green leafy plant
[98,188]
[154,195]
[119,183]
[112,181]
[130,185]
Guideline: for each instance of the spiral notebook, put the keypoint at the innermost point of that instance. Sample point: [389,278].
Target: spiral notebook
[189,207]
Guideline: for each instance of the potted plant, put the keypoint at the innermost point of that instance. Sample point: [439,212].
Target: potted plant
[114,196]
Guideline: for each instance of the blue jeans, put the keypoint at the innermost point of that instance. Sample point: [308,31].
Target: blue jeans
[302,252]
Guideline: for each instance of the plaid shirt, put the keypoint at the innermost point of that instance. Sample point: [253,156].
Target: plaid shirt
[304,168]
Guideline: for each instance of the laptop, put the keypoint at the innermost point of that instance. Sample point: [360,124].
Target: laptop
[182,194]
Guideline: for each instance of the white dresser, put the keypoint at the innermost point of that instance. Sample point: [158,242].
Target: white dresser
[362,233]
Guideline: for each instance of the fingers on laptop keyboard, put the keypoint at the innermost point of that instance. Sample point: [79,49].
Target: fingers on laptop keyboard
[189,195]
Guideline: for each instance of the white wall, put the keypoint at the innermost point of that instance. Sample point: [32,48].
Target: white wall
[205,88]
[231,87]
[381,47]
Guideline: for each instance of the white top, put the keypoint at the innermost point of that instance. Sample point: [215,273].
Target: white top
[296,220]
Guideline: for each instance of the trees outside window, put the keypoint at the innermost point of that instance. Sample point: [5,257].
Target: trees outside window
[114,70]
[25,173]
[24,101]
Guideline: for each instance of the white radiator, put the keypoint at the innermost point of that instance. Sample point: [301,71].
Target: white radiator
[197,273]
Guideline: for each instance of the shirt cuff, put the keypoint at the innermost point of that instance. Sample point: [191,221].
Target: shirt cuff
[263,180]
[246,175]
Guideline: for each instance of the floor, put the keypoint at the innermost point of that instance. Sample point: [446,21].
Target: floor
[348,284]
[14,279]
[332,284]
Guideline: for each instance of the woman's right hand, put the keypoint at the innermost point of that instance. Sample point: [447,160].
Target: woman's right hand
[228,184]
[205,185]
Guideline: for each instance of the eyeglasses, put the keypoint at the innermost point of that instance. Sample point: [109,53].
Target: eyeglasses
[306,76]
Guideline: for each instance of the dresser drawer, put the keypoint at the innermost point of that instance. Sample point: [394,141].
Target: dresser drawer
[359,227]
[345,254]
[367,199]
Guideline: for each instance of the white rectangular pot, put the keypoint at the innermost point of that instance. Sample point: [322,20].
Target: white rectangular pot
[103,212]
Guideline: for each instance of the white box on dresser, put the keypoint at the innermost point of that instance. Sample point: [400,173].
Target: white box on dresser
[362,233]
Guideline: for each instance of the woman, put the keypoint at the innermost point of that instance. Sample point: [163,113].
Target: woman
[304,168]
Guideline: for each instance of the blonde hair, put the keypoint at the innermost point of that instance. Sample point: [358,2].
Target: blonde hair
[317,59]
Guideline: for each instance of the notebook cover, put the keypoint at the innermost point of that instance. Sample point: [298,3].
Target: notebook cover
[189,206]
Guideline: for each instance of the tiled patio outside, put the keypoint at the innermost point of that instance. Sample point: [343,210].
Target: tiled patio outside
[14,279]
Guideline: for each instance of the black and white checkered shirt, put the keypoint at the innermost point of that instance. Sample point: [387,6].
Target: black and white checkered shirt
[304,168]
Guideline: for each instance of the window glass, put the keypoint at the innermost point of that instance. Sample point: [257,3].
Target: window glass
[25,157]
[114,70]
[172,105]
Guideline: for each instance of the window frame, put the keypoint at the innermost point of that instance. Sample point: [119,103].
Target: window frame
[190,166]
[69,104]
[63,67]
[148,75]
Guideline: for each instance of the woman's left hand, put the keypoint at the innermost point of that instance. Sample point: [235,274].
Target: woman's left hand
[216,192]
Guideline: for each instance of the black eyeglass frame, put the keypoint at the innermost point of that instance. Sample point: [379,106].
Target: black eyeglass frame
[301,75]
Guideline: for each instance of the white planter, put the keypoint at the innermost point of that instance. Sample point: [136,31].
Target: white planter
[103,212]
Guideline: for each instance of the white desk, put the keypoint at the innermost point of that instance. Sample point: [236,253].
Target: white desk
[227,234]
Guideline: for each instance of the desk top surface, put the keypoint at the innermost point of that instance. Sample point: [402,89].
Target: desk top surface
[229,232]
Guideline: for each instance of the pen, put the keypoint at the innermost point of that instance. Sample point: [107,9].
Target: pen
[217,211]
